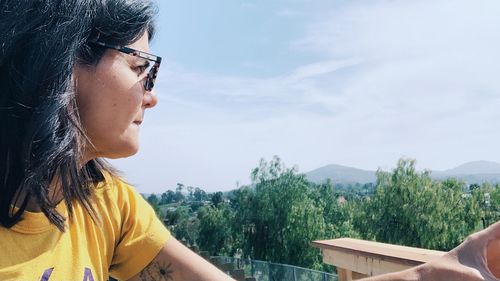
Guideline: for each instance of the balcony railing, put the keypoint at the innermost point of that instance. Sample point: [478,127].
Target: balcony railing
[256,270]
[356,259]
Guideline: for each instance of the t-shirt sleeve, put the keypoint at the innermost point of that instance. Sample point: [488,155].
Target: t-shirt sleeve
[141,236]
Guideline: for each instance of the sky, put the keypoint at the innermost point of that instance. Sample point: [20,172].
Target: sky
[356,83]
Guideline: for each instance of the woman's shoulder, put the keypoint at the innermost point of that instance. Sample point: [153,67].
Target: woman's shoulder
[114,189]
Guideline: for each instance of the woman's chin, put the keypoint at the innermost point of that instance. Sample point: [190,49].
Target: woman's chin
[125,153]
[118,152]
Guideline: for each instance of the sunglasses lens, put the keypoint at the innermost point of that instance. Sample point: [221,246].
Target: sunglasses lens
[148,84]
[150,80]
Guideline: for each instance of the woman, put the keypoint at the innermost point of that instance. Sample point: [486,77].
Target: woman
[76,78]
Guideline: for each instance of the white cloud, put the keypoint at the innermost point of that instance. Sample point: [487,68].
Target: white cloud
[399,78]
[289,94]
[382,28]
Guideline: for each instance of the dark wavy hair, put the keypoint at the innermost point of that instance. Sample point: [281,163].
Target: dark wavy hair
[41,137]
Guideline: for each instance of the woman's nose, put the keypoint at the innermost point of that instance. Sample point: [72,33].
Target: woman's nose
[150,99]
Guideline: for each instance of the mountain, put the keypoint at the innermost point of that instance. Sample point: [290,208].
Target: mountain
[473,172]
[470,172]
[476,167]
[341,174]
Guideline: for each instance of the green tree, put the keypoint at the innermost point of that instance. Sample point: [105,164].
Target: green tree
[182,224]
[410,208]
[190,191]
[495,204]
[217,198]
[179,196]
[154,202]
[338,218]
[277,220]
[153,199]
[215,229]
[167,197]
[199,194]
[488,201]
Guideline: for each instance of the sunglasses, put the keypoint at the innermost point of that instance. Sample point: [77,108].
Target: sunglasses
[151,69]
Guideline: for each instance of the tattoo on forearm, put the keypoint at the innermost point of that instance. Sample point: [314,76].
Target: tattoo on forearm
[157,271]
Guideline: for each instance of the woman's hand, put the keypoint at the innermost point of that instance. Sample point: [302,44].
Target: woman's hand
[477,258]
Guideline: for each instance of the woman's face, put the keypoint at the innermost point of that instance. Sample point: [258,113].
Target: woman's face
[111,102]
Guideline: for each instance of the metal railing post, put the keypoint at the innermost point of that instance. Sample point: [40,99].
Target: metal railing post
[269,271]
[252,269]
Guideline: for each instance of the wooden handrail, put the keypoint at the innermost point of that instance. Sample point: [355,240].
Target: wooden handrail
[357,259]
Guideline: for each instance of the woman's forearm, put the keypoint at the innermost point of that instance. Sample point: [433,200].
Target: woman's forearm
[412,274]
[443,269]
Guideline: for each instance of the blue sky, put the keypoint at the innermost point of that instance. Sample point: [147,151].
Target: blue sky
[357,83]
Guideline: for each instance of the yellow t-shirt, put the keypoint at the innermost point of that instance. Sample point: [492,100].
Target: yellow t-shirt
[127,240]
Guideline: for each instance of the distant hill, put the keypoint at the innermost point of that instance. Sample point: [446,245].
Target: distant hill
[341,174]
[475,167]
[471,172]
